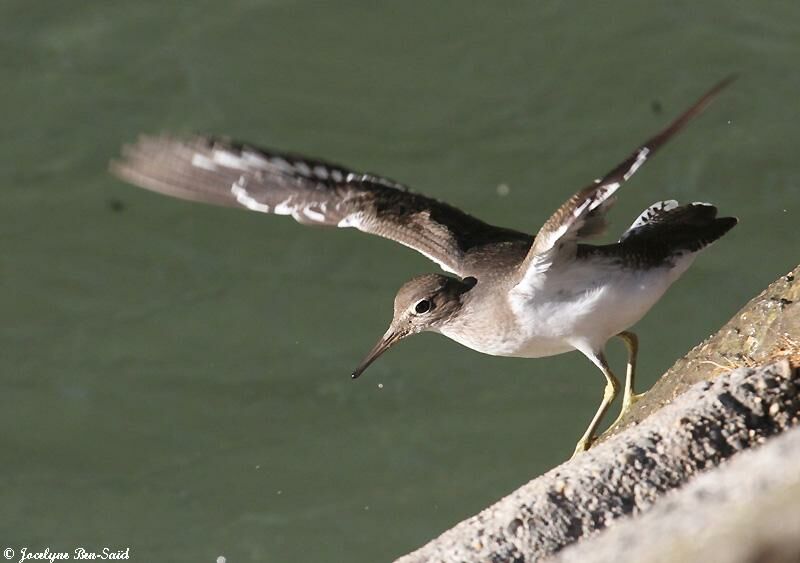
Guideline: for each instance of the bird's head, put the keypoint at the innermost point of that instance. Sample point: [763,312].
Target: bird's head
[422,304]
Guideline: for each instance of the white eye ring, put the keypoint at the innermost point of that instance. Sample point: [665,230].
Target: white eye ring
[422,306]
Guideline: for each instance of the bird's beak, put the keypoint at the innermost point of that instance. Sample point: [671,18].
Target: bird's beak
[391,337]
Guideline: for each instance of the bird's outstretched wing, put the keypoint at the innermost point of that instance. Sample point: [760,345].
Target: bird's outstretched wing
[583,214]
[312,191]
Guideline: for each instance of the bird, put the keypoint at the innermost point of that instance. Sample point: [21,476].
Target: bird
[504,292]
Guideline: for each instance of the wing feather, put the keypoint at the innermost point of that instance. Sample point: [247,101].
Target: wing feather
[312,191]
[583,214]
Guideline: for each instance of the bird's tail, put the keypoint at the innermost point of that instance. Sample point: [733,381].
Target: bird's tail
[672,229]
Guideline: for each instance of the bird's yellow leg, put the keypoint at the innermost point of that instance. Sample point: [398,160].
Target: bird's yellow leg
[609,394]
[629,397]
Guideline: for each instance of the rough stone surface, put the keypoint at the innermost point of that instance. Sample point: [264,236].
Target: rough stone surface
[766,329]
[746,511]
[626,474]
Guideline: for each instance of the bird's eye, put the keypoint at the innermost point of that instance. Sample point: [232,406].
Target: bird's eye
[422,306]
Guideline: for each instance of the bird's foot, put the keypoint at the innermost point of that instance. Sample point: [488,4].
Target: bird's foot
[628,401]
[583,444]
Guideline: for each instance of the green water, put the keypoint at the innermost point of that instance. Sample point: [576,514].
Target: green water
[175,378]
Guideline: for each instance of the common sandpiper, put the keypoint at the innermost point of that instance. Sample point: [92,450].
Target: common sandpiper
[514,294]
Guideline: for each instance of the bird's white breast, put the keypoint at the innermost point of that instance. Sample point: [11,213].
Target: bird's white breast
[579,306]
[586,303]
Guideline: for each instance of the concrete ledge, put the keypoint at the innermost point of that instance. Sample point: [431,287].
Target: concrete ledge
[629,472]
[745,511]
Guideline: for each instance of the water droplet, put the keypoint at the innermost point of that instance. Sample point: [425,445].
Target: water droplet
[503,190]
[380,385]
[221,559]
